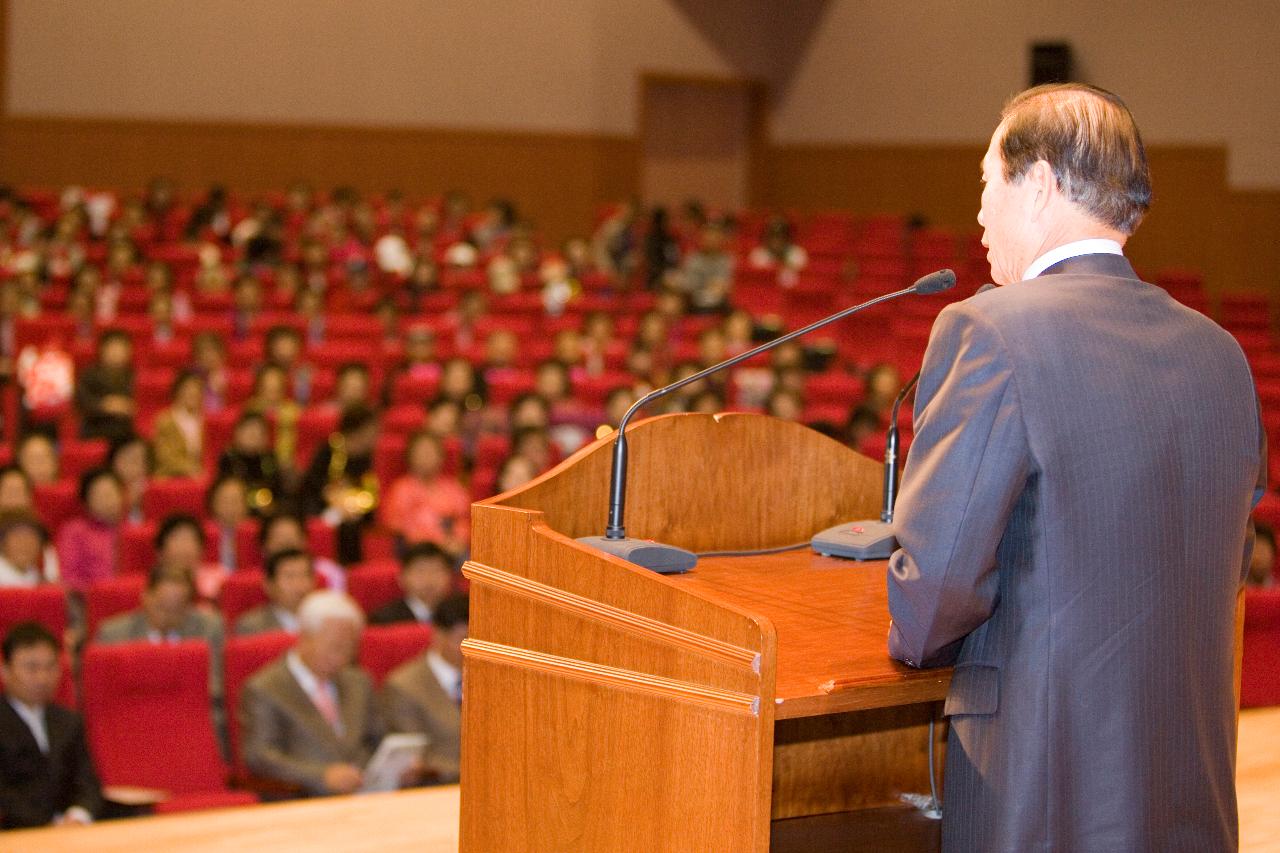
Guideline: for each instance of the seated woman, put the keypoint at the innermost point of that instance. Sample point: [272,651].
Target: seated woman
[130,458]
[424,505]
[340,485]
[179,429]
[250,457]
[38,458]
[87,544]
[272,400]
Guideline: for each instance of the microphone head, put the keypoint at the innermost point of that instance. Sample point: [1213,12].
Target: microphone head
[935,282]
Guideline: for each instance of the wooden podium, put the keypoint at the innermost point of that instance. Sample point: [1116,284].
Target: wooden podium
[612,709]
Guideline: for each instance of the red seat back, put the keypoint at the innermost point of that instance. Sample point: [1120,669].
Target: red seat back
[241,592]
[107,598]
[148,717]
[46,604]
[241,658]
[374,583]
[1260,668]
[78,456]
[56,503]
[385,647]
[181,494]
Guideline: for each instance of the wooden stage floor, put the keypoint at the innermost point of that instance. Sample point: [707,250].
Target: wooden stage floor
[426,821]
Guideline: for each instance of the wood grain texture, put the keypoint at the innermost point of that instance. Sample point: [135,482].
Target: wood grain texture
[712,483]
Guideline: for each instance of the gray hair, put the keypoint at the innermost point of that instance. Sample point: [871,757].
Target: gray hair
[326,604]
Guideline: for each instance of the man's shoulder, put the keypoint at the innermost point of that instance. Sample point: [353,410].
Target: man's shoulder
[408,675]
[256,620]
[271,677]
[392,612]
[122,628]
[354,677]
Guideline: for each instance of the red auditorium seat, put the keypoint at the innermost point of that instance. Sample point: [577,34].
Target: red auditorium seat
[374,583]
[360,328]
[315,425]
[46,604]
[165,497]
[146,704]
[242,657]
[56,503]
[1260,668]
[510,384]
[218,427]
[241,591]
[106,598]
[385,647]
[80,455]
[414,389]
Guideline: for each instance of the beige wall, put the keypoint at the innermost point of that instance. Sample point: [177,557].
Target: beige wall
[842,71]
[565,65]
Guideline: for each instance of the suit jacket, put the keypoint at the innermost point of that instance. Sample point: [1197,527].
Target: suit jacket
[285,737]
[415,701]
[392,612]
[259,620]
[1072,520]
[33,786]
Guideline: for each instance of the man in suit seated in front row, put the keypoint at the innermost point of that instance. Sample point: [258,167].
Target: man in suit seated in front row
[426,577]
[46,775]
[310,719]
[290,578]
[425,694]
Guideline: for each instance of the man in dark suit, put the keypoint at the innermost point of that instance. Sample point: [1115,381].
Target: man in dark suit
[1073,517]
[424,695]
[290,578]
[426,577]
[46,775]
[311,719]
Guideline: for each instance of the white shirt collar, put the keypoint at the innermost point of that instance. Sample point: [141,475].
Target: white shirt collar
[288,621]
[1093,246]
[34,718]
[421,611]
[446,673]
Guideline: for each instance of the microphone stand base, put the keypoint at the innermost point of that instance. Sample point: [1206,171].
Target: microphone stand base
[858,540]
[654,556]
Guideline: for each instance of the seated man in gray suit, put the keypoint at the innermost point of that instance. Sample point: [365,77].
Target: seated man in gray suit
[425,694]
[310,719]
[168,615]
[290,578]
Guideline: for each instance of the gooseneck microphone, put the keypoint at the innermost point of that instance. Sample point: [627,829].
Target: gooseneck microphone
[870,539]
[668,559]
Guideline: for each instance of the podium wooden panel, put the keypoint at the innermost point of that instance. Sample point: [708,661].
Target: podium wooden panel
[612,709]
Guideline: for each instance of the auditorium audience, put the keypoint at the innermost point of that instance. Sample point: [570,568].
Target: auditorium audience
[426,578]
[168,613]
[289,577]
[250,457]
[340,486]
[46,772]
[22,543]
[706,276]
[104,391]
[425,694]
[426,505]
[310,719]
[130,458]
[179,429]
[87,544]
[38,458]
[287,532]
[271,399]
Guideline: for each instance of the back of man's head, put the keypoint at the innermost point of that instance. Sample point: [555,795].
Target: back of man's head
[1089,138]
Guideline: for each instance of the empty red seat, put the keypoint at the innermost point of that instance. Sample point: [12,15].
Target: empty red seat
[374,583]
[80,455]
[145,705]
[315,425]
[1260,667]
[241,658]
[240,592]
[385,647]
[57,502]
[180,494]
[46,604]
[105,599]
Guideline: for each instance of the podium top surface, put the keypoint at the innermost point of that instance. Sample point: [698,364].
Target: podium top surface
[832,621]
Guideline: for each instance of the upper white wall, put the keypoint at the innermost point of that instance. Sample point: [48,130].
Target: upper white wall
[939,71]
[843,71]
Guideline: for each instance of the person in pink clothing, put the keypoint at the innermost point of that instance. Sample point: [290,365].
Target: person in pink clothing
[424,505]
[87,549]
